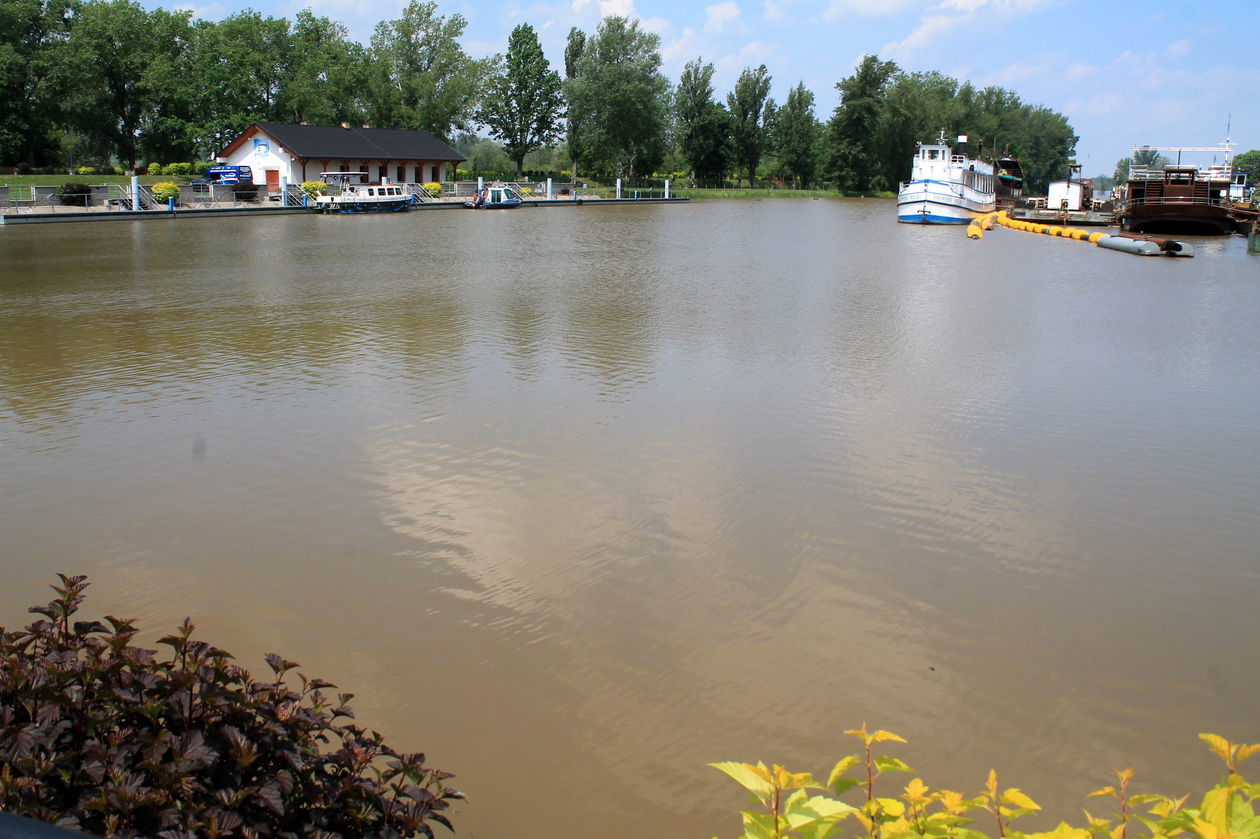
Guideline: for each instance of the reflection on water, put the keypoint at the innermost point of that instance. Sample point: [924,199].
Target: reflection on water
[599,495]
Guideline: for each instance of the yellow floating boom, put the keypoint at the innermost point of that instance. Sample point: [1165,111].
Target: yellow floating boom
[975,230]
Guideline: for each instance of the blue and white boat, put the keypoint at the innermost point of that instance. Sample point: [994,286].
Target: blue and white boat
[945,188]
[350,192]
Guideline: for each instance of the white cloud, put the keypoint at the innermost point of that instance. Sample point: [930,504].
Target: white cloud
[1177,49]
[720,16]
[838,10]
[945,17]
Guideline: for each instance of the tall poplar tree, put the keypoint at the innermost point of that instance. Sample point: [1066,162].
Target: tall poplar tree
[574,47]
[704,126]
[747,103]
[523,104]
[796,135]
[853,156]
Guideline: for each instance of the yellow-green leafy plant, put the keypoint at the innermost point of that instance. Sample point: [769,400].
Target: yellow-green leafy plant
[313,188]
[163,190]
[1227,810]
[433,188]
[800,814]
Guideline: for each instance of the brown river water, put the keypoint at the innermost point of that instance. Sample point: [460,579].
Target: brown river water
[579,500]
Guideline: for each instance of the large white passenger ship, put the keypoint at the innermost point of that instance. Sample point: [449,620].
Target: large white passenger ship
[945,188]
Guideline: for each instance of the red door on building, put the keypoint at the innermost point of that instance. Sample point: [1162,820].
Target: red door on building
[273,181]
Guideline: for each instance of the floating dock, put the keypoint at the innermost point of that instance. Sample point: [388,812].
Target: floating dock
[55,214]
[1082,218]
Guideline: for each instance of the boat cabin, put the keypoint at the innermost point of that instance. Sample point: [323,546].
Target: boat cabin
[357,184]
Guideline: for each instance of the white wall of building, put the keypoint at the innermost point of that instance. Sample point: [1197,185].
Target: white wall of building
[1060,191]
[261,153]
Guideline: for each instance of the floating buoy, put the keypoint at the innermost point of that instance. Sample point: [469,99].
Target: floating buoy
[1137,246]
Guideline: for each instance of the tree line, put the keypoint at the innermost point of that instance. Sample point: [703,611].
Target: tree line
[95,81]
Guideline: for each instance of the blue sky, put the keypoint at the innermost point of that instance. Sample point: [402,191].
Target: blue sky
[1160,72]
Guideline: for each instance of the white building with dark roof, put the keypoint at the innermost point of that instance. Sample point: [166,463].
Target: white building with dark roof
[279,152]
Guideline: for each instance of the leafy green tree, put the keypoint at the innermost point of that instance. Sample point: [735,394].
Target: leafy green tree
[326,74]
[620,99]
[1123,165]
[240,68]
[523,105]
[110,67]
[487,159]
[574,47]
[747,103]
[796,135]
[1249,162]
[423,79]
[704,126]
[1047,144]
[30,33]
[852,149]
[916,108]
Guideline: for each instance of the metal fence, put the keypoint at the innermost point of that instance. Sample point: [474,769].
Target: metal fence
[31,199]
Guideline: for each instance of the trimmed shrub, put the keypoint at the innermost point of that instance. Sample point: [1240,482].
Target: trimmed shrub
[162,190]
[201,167]
[74,194]
[104,737]
[154,169]
[85,170]
[313,188]
[433,188]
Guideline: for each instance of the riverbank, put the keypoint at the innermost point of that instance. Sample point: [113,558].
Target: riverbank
[116,210]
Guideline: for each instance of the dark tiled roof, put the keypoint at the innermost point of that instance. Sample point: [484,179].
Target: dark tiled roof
[333,141]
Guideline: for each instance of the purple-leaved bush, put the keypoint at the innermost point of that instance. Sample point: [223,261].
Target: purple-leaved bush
[111,739]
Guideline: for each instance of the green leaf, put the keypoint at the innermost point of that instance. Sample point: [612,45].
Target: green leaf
[800,810]
[1014,796]
[841,767]
[1216,807]
[755,779]
[759,826]
[891,764]
[843,785]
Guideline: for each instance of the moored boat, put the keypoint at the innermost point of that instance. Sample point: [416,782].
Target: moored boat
[1179,198]
[1010,183]
[497,197]
[946,188]
[350,192]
